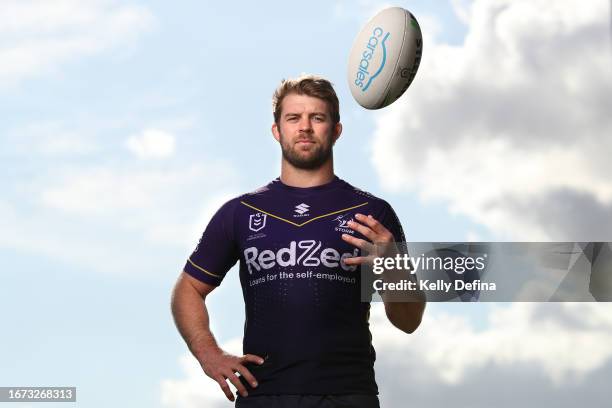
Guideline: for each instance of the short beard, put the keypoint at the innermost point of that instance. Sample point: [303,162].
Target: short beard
[319,156]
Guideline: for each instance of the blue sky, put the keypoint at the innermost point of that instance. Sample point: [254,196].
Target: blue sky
[126,124]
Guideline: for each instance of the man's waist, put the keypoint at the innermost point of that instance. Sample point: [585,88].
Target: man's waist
[325,374]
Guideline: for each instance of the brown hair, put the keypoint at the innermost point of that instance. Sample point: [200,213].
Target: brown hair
[310,85]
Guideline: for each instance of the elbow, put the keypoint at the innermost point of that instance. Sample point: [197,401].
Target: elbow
[406,319]
[176,295]
[175,302]
[411,328]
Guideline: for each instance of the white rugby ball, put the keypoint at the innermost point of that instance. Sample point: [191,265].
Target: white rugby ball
[385,58]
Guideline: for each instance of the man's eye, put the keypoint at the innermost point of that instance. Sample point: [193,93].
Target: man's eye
[319,118]
[291,119]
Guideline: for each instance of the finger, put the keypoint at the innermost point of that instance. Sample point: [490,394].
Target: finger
[246,374]
[376,226]
[251,358]
[373,223]
[358,260]
[363,230]
[236,381]
[225,388]
[358,242]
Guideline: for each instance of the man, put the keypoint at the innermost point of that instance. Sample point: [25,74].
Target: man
[306,339]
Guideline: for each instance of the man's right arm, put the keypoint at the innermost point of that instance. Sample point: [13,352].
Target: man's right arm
[191,319]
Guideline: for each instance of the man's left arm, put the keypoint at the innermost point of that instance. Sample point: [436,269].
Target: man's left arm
[405,314]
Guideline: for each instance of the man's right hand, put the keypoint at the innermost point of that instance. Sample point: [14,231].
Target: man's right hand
[221,366]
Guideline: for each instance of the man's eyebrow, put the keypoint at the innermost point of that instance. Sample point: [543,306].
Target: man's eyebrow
[299,114]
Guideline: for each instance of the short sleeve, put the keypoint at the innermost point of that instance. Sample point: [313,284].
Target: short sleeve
[389,219]
[217,250]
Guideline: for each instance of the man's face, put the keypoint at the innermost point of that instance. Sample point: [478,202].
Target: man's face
[305,131]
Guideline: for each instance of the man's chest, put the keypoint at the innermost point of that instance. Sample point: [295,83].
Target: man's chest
[296,237]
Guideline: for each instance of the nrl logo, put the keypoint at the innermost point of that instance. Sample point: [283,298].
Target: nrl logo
[257,221]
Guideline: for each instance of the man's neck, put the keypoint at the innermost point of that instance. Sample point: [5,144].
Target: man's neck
[295,177]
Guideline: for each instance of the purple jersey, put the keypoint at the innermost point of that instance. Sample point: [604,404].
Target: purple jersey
[303,303]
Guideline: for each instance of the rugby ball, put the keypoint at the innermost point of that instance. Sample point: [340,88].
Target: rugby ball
[385,58]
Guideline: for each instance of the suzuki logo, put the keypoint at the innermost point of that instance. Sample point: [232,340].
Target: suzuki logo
[301,208]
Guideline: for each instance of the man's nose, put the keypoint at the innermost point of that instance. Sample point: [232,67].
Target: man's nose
[305,124]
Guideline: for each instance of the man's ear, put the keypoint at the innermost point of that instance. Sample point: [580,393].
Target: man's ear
[275,132]
[337,131]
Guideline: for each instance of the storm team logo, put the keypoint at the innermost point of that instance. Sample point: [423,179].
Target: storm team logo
[343,224]
[257,221]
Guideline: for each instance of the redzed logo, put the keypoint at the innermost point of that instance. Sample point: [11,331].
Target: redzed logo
[303,253]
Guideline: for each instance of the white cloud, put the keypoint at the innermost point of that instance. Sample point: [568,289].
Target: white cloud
[47,138]
[143,199]
[196,389]
[554,349]
[105,190]
[462,10]
[110,218]
[152,143]
[563,342]
[472,236]
[41,35]
[554,352]
[512,127]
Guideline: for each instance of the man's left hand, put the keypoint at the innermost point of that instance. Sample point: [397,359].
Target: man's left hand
[380,240]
